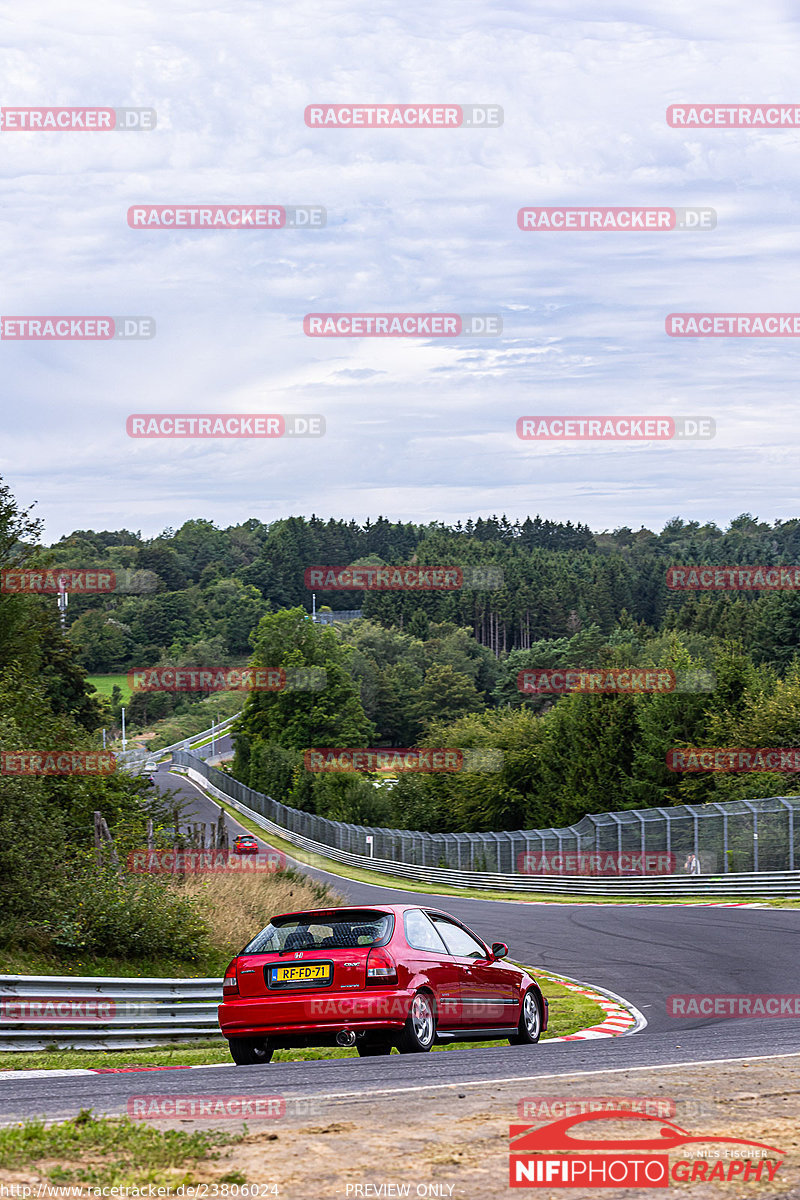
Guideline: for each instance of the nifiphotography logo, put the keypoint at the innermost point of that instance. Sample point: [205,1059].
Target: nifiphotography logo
[551,1155]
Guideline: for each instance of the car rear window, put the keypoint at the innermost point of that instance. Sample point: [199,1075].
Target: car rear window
[344,930]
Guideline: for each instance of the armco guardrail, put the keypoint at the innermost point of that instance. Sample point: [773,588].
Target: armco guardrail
[130,759]
[38,1012]
[220,785]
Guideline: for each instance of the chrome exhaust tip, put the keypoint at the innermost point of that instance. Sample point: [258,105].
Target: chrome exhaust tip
[345,1037]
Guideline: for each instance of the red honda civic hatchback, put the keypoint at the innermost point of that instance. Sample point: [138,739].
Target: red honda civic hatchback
[245,844]
[374,977]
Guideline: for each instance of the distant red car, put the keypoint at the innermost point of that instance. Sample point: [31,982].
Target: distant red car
[245,844]
[374,977]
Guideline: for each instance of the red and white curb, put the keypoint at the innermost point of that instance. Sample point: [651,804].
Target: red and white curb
[622,1017]
[55,1072]
[644,904]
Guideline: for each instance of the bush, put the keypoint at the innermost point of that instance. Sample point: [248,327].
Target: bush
[108,912]
[238,906]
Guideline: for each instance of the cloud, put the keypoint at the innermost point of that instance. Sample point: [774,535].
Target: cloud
[418,221]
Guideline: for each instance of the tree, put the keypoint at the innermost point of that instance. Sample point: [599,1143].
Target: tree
[234,610]
[163,560]
[297,717]
[101,642]
[445,695]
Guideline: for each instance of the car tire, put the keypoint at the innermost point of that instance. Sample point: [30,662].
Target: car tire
[529,1029]
[249,1052]
[419,1032]
[373,1049]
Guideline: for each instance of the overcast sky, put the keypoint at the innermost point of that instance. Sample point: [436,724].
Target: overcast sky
[418,221]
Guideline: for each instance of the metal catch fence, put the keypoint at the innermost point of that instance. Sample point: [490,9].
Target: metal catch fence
[741,837]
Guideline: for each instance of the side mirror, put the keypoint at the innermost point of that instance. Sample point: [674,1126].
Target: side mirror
[499,949]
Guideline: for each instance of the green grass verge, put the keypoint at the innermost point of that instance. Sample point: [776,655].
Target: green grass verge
[569,1012]
[18,961]
[197,719]
[413,885]
[106,1152]
[105,685]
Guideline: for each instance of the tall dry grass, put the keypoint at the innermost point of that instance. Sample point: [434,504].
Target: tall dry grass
[236,906]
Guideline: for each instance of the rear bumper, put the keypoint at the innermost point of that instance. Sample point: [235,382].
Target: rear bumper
[377,1008]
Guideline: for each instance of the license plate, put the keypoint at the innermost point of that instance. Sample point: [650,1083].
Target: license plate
[301,975]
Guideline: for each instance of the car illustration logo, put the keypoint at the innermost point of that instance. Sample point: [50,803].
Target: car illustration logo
[555,1135]
[551,1155]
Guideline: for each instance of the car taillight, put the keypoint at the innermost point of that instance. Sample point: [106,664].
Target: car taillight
[380,967]
[230,984]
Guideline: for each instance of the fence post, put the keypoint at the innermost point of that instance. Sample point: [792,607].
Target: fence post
[724,814]
[787,804]
[754,811]
[644,846]
[755,839]
[791,837]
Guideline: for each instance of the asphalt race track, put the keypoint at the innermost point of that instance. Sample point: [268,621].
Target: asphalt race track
[644,954]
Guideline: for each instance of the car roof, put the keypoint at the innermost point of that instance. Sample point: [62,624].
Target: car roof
[396,909]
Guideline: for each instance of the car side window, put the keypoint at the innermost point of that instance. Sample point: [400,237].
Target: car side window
[420,933]
[457,940]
